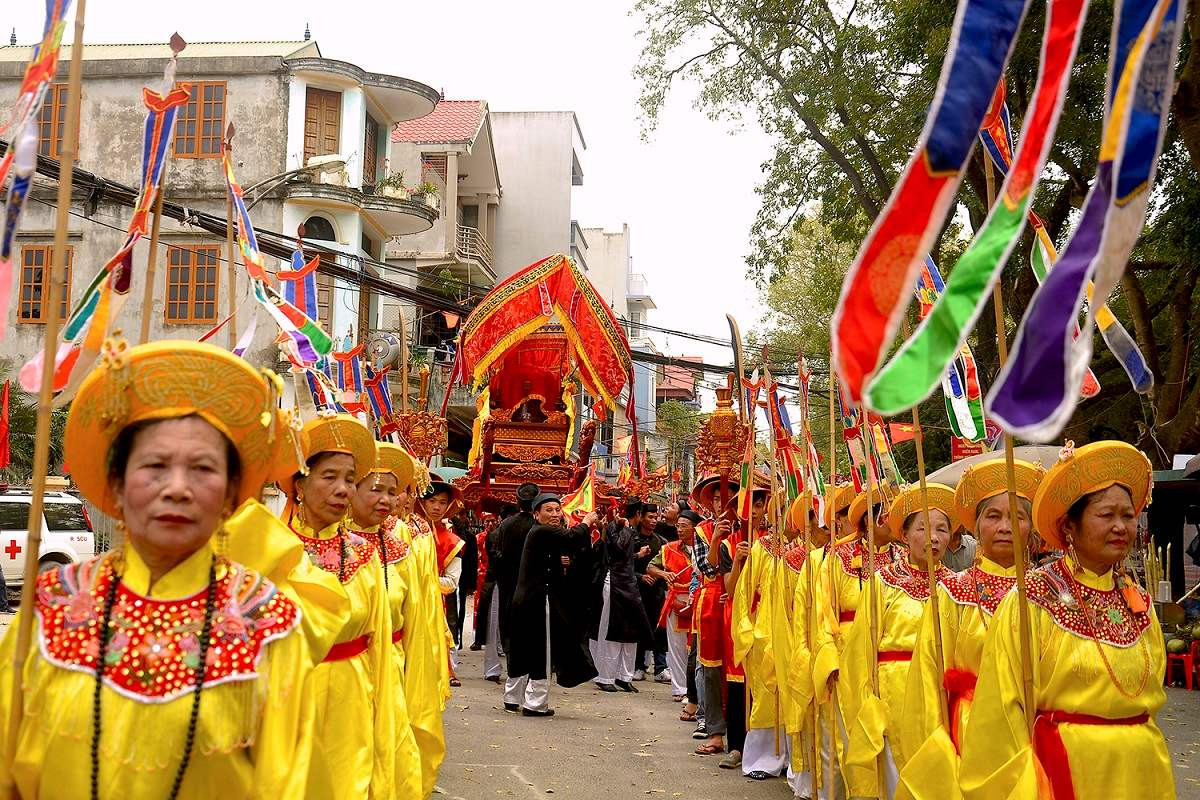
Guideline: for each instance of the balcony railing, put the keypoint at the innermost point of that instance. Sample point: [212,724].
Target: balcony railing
[637,285]
[471,245]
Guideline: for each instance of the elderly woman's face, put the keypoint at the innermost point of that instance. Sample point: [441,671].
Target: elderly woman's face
[175,488]
[995,531]
[1106,531]
[327,489]
[374,499]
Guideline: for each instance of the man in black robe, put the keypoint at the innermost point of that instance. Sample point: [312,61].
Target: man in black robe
[646,544]
[487,611]
[511,543]
[621,622]
[546,635]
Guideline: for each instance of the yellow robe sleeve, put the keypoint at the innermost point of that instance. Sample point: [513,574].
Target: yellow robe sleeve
[283,747]
[742,632]
[862,711]
[379,656]
[823,650]
[932,769]
[800,687]
[260,540]
[8,648]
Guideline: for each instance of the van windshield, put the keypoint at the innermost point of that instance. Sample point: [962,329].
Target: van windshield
[66,517]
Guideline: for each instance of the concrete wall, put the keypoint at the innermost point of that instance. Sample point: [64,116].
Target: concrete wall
[112,120]
[608,266]
[534,152]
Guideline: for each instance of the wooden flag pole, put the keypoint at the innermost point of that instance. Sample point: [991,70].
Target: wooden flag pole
[152,261]
[830,493]
[930,566]
[1020,543]
[41,446]
[810,610]
[231,262]
[776,518]
[872,584]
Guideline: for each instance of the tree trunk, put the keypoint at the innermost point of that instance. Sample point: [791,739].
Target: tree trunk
[1187,91]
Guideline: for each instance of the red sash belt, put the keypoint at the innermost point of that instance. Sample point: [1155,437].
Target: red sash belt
[845,616]
[344,650]
[960,688]
[1052,753]
[894,655]
[398,636]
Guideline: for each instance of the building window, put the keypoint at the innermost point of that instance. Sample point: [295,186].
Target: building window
[370,146]
[200,126]
[324,293]
[52,122]
[35,283]
[322,122]
[192,283]
[435,164]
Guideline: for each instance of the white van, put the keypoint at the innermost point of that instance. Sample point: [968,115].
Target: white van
[66,532]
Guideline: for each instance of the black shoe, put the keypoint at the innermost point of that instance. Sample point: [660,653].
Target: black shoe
[607,687]
[476,646]
[529,712]
[759,775]
[511,708]
[701,732]
[626,686]
[493,678]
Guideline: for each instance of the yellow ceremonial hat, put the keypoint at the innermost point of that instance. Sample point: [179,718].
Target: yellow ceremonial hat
[909,502]
[990,478]
[166,380]
[858,507]
[843,496]
[329,433]
[392,458]
[703,491]
[1083,471]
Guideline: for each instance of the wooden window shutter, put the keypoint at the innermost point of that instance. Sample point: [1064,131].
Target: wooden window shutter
[322,122]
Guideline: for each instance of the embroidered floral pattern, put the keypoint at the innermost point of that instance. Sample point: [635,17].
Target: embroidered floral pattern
[975,587]
[154,646]
[328,553]
[395,549]
[1084,611]
[901,575]
[795,558]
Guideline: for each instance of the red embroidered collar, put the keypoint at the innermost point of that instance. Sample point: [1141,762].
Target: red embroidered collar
[1089,613]
[901,575]
[328,553]
[795,557]
[394,550]
[154,645]
[853,558]
[975,587]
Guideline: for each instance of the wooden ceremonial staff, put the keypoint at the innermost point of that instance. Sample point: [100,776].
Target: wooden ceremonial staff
[872,588]
[41,446]
[830,493]
[930,567]
[231,263]
[810,611]
[1020,544]
[777,520]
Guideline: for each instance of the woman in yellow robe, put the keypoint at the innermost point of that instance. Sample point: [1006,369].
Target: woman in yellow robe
[374,501]
[900,590]
[354,752]
[202,688]
[426,668]
[966,603]
[1098,655]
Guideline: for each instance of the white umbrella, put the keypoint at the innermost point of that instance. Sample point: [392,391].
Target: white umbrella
[949,474]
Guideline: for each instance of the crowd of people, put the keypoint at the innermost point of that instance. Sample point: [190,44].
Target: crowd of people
[810,648]
[220,649]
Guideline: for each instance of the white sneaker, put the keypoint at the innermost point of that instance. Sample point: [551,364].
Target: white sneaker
[639,675]
[663,677]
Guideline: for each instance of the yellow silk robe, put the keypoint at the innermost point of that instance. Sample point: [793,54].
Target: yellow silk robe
[791,649]
[901,591]
[354,754]
[253,736]
[1074,653]
[426,670]
[754,620]
[966,603]
[392,552]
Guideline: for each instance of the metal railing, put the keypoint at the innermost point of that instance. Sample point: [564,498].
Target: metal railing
[637,285]
[471,245]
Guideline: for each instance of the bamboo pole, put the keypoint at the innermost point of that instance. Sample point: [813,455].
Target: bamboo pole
[230,263]
[810,610]
[930,566]
[831,491]
[152,260]
[872,586]
[1020,544]
[777,518]
[41,447]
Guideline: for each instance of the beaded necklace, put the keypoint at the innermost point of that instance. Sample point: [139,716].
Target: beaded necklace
[205,639]
[1112,676]
[382,557]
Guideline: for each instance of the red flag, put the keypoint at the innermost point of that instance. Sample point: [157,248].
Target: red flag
[901,431]
[4,454]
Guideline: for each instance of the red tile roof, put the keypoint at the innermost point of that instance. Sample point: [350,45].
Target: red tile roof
[451,121]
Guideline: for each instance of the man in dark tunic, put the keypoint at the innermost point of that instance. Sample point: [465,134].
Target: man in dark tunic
[546,635]
[487,610]
[646,544]
[511,543]
[621,622]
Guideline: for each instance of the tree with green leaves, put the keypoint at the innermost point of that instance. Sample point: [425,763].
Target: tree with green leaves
[679,426]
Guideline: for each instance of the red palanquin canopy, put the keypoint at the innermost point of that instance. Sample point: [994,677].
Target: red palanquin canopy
[526,302]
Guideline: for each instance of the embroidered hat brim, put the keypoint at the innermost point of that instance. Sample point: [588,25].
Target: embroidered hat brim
[392,459]
[1091,468]
[335,433]
[984,481]
[168,380]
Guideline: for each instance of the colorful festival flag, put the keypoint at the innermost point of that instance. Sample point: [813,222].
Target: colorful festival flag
[921,361]
[1036,391]
[583,500]
[745,497]
[876,289]
[299,283]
